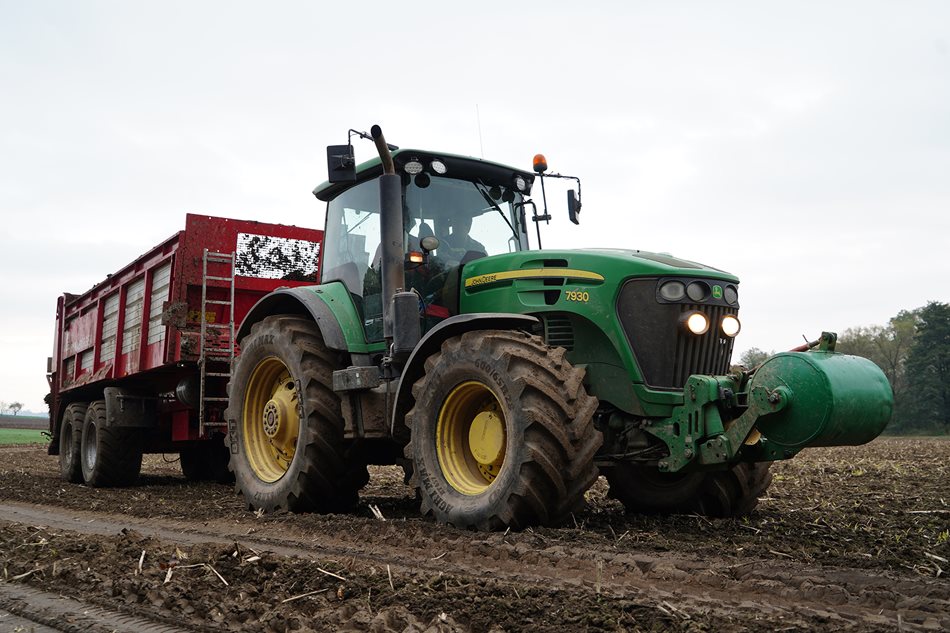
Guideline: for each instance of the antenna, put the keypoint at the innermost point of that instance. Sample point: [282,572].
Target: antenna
[478,119]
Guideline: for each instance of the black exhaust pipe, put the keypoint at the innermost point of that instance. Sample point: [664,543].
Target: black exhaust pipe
[391,229]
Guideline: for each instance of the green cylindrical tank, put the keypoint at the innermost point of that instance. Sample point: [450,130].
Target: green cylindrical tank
[835,399]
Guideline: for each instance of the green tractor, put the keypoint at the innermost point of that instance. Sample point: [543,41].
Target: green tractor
[504,379]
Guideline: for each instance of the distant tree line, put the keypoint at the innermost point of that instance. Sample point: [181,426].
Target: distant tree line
[913,351]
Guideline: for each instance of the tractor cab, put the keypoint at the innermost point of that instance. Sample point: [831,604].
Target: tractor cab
[454,210]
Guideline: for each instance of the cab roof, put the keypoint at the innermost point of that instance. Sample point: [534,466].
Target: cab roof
[464,167]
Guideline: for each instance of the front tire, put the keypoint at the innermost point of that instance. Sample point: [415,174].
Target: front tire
[289,425]
[502,433]
[110,456]
[725,493]
[70,442]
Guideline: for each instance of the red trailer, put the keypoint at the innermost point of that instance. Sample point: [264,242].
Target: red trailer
[142,360]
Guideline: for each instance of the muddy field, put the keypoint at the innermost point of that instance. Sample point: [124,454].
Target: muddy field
[847,539]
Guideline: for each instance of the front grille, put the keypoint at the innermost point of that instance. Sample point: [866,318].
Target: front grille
[666,354]
[707,354]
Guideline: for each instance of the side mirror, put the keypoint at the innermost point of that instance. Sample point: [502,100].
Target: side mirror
[573,206]
[429,243]
[341,163]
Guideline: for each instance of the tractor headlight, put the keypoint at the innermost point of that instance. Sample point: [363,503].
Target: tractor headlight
[731,295]
[695,322]
[730,325]
[673,290]
[438,167]
[697,291]
[520,183]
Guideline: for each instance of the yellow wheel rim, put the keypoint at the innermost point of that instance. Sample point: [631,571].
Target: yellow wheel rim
[270,421]
[471,438]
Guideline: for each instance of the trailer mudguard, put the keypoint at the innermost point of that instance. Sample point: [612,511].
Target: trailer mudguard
[329,305]
[432,341]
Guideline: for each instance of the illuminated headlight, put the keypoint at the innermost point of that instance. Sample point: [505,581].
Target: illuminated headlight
[413,167]
[520,183]
[696,322]
[438,167]
[673,290]
[730,325]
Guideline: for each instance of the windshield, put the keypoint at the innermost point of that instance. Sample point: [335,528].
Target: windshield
[464,216]
[470,219]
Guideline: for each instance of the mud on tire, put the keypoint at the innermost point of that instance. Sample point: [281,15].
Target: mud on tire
[726,493]
[110,456]
[70,442]
[273,470]
[542,462]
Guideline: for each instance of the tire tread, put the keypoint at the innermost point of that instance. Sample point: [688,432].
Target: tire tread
[559,433]
[118,454]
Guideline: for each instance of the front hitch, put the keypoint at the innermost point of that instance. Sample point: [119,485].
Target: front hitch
[791,401]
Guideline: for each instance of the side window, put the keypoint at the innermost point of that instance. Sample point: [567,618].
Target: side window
[351,247]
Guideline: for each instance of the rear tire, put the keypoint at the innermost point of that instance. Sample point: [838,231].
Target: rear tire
[70,442]
[289,425]
[502,433]
[725,493]
[110,456]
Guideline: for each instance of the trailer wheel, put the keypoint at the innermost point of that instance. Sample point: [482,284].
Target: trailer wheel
[110,456]
[70,441]
[726,493]
[289,425]
[502,432]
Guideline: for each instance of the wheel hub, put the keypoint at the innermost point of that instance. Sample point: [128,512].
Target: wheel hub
[271,420]
[273,412]
[471,438]
[486,437]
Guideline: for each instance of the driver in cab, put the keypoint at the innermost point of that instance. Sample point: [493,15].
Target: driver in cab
[456,244]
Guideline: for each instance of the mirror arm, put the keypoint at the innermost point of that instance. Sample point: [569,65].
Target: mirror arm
[575,178]
[364,135]
[538,218]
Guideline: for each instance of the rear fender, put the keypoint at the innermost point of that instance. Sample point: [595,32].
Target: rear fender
[329,305]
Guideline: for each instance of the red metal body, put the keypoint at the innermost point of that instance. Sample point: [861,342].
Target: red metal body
[140,328]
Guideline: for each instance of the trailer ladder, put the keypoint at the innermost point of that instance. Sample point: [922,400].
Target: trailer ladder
[217,340]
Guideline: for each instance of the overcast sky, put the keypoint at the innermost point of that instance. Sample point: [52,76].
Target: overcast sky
[804,147]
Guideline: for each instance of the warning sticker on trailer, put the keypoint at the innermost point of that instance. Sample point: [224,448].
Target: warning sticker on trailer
[269,257]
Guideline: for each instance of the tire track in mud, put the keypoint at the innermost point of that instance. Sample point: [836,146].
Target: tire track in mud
[761,590]
[67,615]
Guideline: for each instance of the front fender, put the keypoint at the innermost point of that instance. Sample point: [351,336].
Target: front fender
[432,342]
